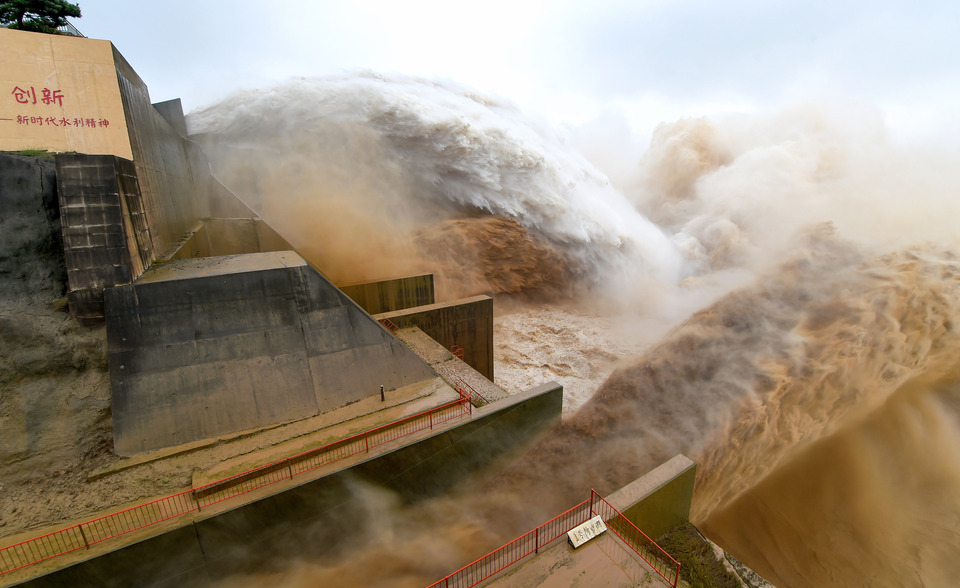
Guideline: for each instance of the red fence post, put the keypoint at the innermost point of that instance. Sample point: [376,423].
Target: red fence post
[676,579]
[82,534]
[536,541]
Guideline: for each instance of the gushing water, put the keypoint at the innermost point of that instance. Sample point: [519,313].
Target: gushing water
[784,290]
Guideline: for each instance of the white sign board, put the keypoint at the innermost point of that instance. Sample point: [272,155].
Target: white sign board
[585,532]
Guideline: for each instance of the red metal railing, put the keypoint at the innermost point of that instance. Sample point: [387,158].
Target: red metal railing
[531,542]
[644,546]
[500,559]
[465,389]
[88,533]
[389,325]
[457,351]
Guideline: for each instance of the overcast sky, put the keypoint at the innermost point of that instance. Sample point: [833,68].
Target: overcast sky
[568,61]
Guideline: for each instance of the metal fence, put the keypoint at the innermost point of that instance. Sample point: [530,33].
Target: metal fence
[644,546]
[389,324]
[69,29]
[85,534]
[465,389]
[496,561]
[499,559]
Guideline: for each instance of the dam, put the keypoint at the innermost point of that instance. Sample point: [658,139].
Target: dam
[232,383]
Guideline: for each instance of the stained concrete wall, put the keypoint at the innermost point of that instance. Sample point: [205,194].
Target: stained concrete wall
[390,295]
[207,347]
[659,500]
[174,176]
[106,239]
[467,323]
[114,228]
[97,104]
[229,236]
[172,112]
[323,517]
[31,251]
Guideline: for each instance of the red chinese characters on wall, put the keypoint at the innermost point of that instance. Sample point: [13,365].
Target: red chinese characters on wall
[29,96]
[50,97]
[62,122]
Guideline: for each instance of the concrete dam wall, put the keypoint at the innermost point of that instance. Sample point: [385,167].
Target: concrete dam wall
[206,347]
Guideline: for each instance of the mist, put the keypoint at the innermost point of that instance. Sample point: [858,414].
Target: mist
[783,285]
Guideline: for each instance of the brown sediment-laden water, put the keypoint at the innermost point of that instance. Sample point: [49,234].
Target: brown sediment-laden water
[775,296]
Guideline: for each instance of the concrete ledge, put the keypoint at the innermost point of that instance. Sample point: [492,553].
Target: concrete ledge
[659,500]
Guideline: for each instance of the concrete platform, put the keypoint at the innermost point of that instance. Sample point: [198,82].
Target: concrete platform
[603,561]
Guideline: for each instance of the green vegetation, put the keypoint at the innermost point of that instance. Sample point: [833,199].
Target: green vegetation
[41,16]
[36,153]
[699,565]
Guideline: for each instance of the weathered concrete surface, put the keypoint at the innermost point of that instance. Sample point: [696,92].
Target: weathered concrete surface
[106,239]
[206,347]
[322,517]
[173,173]
[216,237]
[450,367]
[467,323]
[390,295]
[31,250]
[659,500]
[172,112]
[120,213]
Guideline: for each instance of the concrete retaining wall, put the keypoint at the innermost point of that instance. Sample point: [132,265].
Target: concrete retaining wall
[659,500]
[207,347]
[106,238]
[323,517]
[390,295]
[467,323]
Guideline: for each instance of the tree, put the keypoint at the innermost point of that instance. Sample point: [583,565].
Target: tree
[42,16]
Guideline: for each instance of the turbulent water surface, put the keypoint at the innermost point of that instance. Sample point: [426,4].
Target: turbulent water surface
[775,296]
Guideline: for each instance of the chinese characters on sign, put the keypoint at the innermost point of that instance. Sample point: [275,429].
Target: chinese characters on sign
[30,96]
[585,532]
[47,96]
[62,122]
